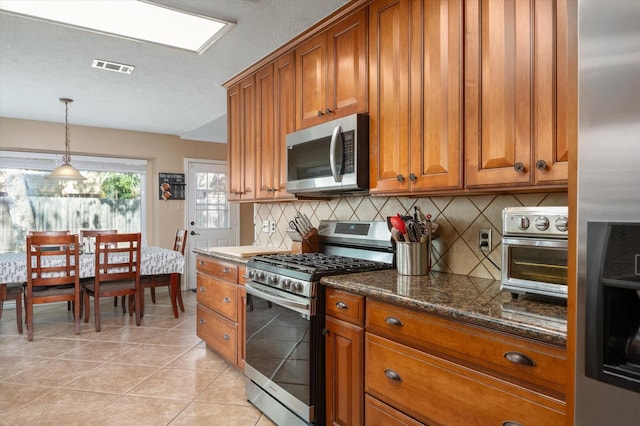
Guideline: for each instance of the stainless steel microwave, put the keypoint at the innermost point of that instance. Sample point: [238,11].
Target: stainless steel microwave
[332,157]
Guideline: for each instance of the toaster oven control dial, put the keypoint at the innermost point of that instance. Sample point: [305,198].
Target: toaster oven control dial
[562,224]
[542,223]
[522,223]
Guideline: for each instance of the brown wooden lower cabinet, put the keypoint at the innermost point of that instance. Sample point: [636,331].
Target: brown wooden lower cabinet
[390,365]
[221,299]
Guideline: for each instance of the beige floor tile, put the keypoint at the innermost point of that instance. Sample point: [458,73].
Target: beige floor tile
[200,358]
[54,373]
[265,421]
[175,384]
[229,388]
[129,334]
[15,396]
[60,407]
[10,365]
[112,378]
[150,355]
[48,347]
[98,351]
[175,338]
[133,410]
[200,413]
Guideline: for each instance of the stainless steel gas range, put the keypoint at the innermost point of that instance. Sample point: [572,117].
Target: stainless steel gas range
[284,317]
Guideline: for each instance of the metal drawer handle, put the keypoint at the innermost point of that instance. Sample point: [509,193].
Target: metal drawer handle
[342,305]
[226,337]
[519,358]
[226,300]
[202,321]
[392,375]
[511,423]
[393,321]
[202,288]
[226,270]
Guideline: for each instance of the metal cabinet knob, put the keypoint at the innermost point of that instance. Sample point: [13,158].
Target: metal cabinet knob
[226,300]
[320,113]
[225,270]
[518,167]
[392,375]
[541,165]
[328,111]
[393,321]
[400,178]
[413,177]
[202,289]
[226,337]
[519,358]
[342,305]
[202,321]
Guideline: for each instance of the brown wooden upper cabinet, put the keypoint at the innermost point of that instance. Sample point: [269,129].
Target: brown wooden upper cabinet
[241,139]
[332,72]
[520,91]
[415,54]
[275,117]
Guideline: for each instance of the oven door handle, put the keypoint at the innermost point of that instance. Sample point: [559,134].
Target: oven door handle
[305,307]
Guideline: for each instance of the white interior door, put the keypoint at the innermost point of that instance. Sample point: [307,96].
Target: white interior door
[211,220]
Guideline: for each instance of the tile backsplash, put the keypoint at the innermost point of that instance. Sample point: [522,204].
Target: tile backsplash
[459,218]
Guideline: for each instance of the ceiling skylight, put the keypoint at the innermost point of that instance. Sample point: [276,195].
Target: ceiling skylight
[137,20]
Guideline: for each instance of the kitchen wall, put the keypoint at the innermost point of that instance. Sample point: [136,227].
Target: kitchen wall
[164,153]
[459,218]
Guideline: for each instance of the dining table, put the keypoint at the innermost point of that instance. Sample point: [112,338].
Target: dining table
[153,261]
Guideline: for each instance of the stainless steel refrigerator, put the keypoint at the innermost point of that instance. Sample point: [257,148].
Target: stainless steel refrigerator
[608,214]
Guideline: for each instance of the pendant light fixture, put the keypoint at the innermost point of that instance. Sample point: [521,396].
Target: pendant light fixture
[66,171]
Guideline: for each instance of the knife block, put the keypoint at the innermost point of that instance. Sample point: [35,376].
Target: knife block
[309,243]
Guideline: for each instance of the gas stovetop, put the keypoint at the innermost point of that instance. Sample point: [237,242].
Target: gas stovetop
[340,242]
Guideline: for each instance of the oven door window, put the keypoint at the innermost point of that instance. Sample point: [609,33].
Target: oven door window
[539,264]
[279,346]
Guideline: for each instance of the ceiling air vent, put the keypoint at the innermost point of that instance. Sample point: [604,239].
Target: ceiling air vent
[112,66]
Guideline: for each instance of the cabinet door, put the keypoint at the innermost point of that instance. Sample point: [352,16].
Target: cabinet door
[344,373]
[285,119]
[347,67]
[265,132]
[311,69]
[555,96]
[498,113]
[234,144]
[389,95]
[436,95]
[241,140]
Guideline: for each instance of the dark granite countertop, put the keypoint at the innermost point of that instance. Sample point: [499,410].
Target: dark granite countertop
[472,300]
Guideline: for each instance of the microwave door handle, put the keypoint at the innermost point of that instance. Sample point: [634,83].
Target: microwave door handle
[336,147]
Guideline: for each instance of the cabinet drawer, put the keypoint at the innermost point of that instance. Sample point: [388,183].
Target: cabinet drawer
[498,353]
[218,295]
[345,306]
[377,413]
[224,270]
[434,390]
[217,332]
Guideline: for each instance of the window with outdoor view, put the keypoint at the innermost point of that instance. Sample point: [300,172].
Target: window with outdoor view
[110,197]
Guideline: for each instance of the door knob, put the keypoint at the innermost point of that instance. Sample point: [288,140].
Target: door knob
[193,233]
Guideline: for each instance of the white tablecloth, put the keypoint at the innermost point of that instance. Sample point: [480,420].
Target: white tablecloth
[154,261]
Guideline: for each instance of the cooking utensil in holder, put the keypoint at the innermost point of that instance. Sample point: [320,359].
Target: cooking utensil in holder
[307,243]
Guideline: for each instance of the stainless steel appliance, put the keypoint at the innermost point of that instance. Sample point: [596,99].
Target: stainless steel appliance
[608,191]
[330,157]
[284,346]
[534,250]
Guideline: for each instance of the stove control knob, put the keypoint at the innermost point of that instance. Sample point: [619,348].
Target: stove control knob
[542,223]
[522,223]
[286,284]
[562,224]
[273,280]
[260,276]
[251,274]
[297,286]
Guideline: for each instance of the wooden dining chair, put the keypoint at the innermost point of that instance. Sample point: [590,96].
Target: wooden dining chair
[52,274]
[153,281]
[117,273]
[92,233]
[12,291]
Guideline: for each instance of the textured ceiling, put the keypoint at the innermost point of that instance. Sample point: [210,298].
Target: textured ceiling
[170,91]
